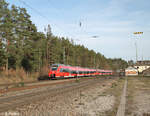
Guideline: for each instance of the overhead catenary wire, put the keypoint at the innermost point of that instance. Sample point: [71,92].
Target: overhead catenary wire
[46,18]
[39,13]
[36,11]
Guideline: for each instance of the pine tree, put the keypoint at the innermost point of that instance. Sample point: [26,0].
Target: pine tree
[6,28]
[21,45]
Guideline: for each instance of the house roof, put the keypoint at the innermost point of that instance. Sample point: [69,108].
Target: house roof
[131,68]
[143,63]
[147,70]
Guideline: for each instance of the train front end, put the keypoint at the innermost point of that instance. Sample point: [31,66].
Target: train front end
[53,71]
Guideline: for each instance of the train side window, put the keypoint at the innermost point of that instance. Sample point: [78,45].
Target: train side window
[66,70]
[73,72]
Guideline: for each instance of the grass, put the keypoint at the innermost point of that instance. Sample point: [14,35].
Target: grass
[115,90]
[77,80]
[102,95]
[135,84]
[20,84]
[113,85]
[81,103]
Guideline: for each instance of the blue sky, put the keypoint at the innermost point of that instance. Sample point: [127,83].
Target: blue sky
[114,21]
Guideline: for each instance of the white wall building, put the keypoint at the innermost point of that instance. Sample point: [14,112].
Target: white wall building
[131,71]
[141,68]
[142,65]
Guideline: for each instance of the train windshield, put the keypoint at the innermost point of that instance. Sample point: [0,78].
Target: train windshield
[54,68]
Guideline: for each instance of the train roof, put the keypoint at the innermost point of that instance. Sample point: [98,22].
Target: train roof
[59,65]
[78,68]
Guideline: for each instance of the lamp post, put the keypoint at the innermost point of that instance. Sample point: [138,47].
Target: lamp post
[137,33]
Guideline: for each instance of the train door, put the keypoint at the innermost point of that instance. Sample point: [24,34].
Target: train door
[61,72]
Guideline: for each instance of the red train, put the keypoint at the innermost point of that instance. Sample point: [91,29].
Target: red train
[66,71]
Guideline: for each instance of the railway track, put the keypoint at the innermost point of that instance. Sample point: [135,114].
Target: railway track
[12,102]
[4,88]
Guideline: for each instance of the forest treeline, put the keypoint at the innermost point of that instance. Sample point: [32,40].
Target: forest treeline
[22,46]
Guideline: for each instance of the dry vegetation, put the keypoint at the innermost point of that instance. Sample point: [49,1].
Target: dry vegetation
[138,98]
[15,76]
[115,90]
[20,75]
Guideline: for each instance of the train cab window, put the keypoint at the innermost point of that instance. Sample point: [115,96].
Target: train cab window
[54,68]
[55,65]
[61,70]
[64,70]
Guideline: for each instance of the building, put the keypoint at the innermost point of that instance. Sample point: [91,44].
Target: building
[142,65]
[131,71]
[146,72]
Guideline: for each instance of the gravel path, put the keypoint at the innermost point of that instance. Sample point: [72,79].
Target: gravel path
[121,109]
